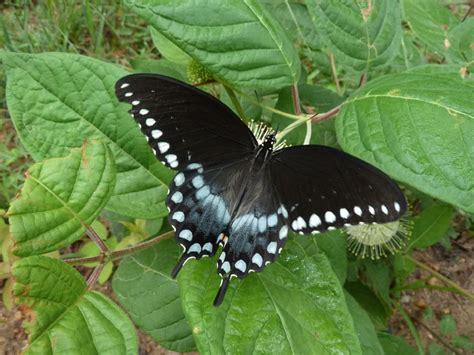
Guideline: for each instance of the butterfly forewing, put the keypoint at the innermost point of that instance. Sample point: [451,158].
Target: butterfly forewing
[184,125]
[323,189]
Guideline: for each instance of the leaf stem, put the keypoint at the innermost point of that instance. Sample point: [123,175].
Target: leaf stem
[120,253]
[91,233]
[295,95]
[320,117]
[94,276]
[438,337]
[235,102]
[436,274]
[411,327]
[334,74]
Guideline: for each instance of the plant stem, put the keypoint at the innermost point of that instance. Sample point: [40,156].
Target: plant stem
[320,117]
[104,250]
[296,99]
[441,340]
[334,74]
[441,277]
[411,327]
[119,253]
[235,102]
[94,276]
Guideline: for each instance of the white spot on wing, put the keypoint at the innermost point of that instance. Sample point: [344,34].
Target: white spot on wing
[150,122]
[283,232]
[124,85]
[163,147]
[272,220]
[207,247]
[272,248]
[384,209]
[156,133]
[397,206]
[257,260]
[357,210]
[128,94]
[195,248]
[262,224]
[372,210]
[301,222]
[203,192]
[135,103]
[314,220]
[241,265]
[225,267]
[178,216]
[179,179]
[198,182]
[177,197]
[186,234]
[344,213]
[329,217]
[143,111]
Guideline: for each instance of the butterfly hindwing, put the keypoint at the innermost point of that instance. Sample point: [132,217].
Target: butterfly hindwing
[184,125]
[323,188]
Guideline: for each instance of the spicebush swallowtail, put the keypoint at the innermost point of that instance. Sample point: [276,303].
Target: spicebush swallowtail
[232,191]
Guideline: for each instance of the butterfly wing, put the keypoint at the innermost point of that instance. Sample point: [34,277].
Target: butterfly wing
[256,233]
[323,188]
[183,124]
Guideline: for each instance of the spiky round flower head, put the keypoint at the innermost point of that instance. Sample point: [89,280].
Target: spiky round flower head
[197,74]
[375,240]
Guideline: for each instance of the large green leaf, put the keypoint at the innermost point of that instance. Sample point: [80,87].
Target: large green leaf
[431,22]
[430,226]
[145,289]
[58,100]
[360,36]
[461,42]
[239,42]
[68,319]
[295,306]
[418,127]
[394,345]
[61,196]
[364,327]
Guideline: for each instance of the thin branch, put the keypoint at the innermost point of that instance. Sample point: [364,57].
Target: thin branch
[235,102]
[320,117]
[334,73]
[295,95]
[436,274]
[94,276]
[467,13]
[441,340]
[119,253]
[91,233]
[411,327]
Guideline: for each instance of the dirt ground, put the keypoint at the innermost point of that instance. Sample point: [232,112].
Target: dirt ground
[456,264]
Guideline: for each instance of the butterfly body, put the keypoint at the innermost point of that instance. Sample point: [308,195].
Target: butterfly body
[245,196]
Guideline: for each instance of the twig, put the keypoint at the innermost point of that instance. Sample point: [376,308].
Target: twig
[320,117]
[467,13]
[441,340]
[104,250]
[119,253]
[295,95]
[334,73]
[436,274]
[235,102]
[94,276]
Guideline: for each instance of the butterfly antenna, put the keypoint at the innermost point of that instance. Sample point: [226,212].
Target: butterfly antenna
[222,290]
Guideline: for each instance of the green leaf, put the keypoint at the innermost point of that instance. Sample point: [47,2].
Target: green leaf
[462,342]
[169,50]
[66,317]
[364,328]
[435,349]
[418,127]
[295,306]
[59,100]
[359,36]
[61,196]
[461,42]
[430,21]
[430,226]
[409,55]
[161,66]
[393,345]
[239,42]
[447,325]
[144,287]
[369,302]
[334,246]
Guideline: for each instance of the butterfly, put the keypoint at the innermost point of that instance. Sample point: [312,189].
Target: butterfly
[232,191]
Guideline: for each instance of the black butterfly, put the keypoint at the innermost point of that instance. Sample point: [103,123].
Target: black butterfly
[231,190]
